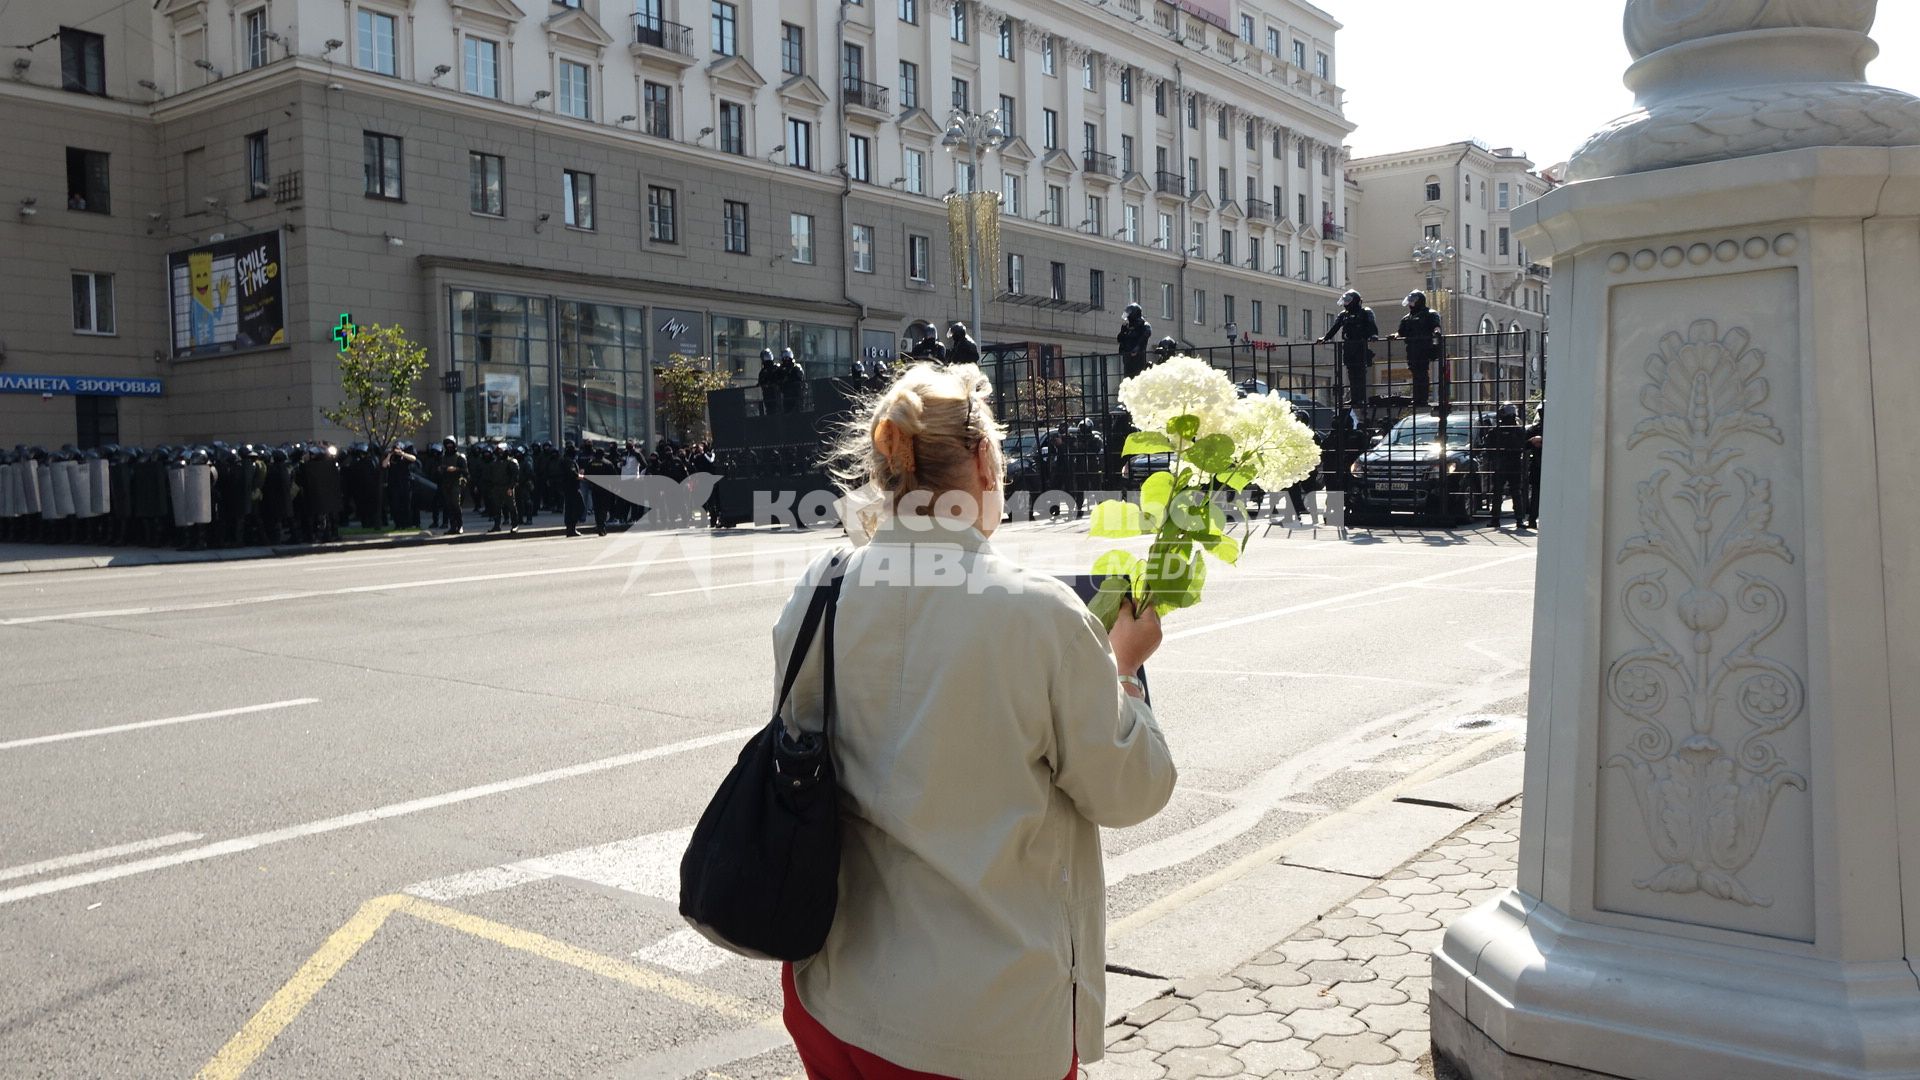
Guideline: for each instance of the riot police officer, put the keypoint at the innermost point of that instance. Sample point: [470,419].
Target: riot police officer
[503,480]
[1135,332]
[1536,448]
[276,496]
[928,347]
[1504,443]
[961,348]
[452,479]
[1356,327]
[1420,328]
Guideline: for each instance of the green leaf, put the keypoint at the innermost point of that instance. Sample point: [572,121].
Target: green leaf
[1214,453]
[1115,519]
[1194,516]
[1237,479]
[1105,604]
[1184,427]
[1116,563]
[1154,496]
[1147,442]
[1226,549]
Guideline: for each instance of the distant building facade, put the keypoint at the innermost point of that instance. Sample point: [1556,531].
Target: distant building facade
[555,199]
[1462,194]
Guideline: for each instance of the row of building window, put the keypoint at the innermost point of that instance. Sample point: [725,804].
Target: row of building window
[1503,192]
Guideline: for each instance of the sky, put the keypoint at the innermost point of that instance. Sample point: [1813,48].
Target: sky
[1536,75]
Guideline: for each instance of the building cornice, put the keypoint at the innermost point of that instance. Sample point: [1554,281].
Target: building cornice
[451,265]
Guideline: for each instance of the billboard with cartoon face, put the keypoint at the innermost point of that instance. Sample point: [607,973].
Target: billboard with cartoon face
[226,296]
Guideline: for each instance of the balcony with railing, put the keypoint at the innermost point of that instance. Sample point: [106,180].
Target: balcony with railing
[860,95]
[1259,210]
[1170,183]
[1100,166]
[1539,270]
[658,38]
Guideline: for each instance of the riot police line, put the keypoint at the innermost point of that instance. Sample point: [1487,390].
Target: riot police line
[220,495]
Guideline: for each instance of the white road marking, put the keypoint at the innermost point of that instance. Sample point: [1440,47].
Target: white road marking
[352,564]
[1371,603]
[48,866]
[732,585]
[684,951]
[1344,599]
[362,817]
[473,883]
[74,577]
[395,586]
[648,865]
[1161,670]
[89,733]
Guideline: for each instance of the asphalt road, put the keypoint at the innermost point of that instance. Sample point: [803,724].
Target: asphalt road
[418,812]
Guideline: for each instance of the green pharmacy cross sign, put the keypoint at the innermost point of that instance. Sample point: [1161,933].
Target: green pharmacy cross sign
[343,333]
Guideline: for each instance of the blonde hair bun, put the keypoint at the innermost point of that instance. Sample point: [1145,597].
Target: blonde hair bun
[919,434]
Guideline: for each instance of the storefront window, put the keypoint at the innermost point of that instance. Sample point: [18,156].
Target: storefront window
[602,358]
[823,351]
[500,348]
[737,343]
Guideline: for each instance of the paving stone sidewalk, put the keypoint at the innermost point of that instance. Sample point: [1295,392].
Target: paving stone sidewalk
[1345,997]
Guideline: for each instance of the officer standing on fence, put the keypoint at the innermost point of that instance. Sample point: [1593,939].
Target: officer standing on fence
[1135,332]
[1355,326]
[1420,328]
[928,347]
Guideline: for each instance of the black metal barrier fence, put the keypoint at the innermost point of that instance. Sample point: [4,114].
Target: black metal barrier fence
[1065,429]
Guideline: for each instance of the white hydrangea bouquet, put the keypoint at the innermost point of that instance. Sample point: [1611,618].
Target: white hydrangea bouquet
[1218,442]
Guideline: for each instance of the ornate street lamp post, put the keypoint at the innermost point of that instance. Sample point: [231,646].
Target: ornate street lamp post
[976,134]
[1434,254]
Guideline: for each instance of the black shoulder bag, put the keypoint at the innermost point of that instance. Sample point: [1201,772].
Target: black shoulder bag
[761,876]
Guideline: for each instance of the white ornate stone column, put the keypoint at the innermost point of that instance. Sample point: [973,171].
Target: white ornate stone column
[1720,855]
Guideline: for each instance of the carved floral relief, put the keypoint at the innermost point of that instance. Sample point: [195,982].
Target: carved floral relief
[1704,697]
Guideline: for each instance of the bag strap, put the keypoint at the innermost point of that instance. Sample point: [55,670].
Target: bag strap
[820,606]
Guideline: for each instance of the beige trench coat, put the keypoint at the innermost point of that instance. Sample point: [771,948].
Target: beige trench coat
[982,738]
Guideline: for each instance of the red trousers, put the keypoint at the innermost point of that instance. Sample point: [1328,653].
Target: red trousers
[828,1058]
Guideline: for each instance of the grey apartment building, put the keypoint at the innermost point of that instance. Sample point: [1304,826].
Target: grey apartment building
[1461,196]
[554,198]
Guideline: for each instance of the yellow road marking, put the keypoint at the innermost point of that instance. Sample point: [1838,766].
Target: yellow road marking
[285,1005]
[252,1040]
[573,956]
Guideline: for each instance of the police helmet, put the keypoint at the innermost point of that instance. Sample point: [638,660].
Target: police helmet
[1349,298]
[1507,414]
[1132,310]
[1416,299]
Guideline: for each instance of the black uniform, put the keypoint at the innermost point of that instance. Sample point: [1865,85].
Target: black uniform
[1134,335]
[928,348]
[453,474]
[575,504]
[602,498]
[1421,331]
[276,497]
[1355,326]
[1504,443]
[1533,456]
